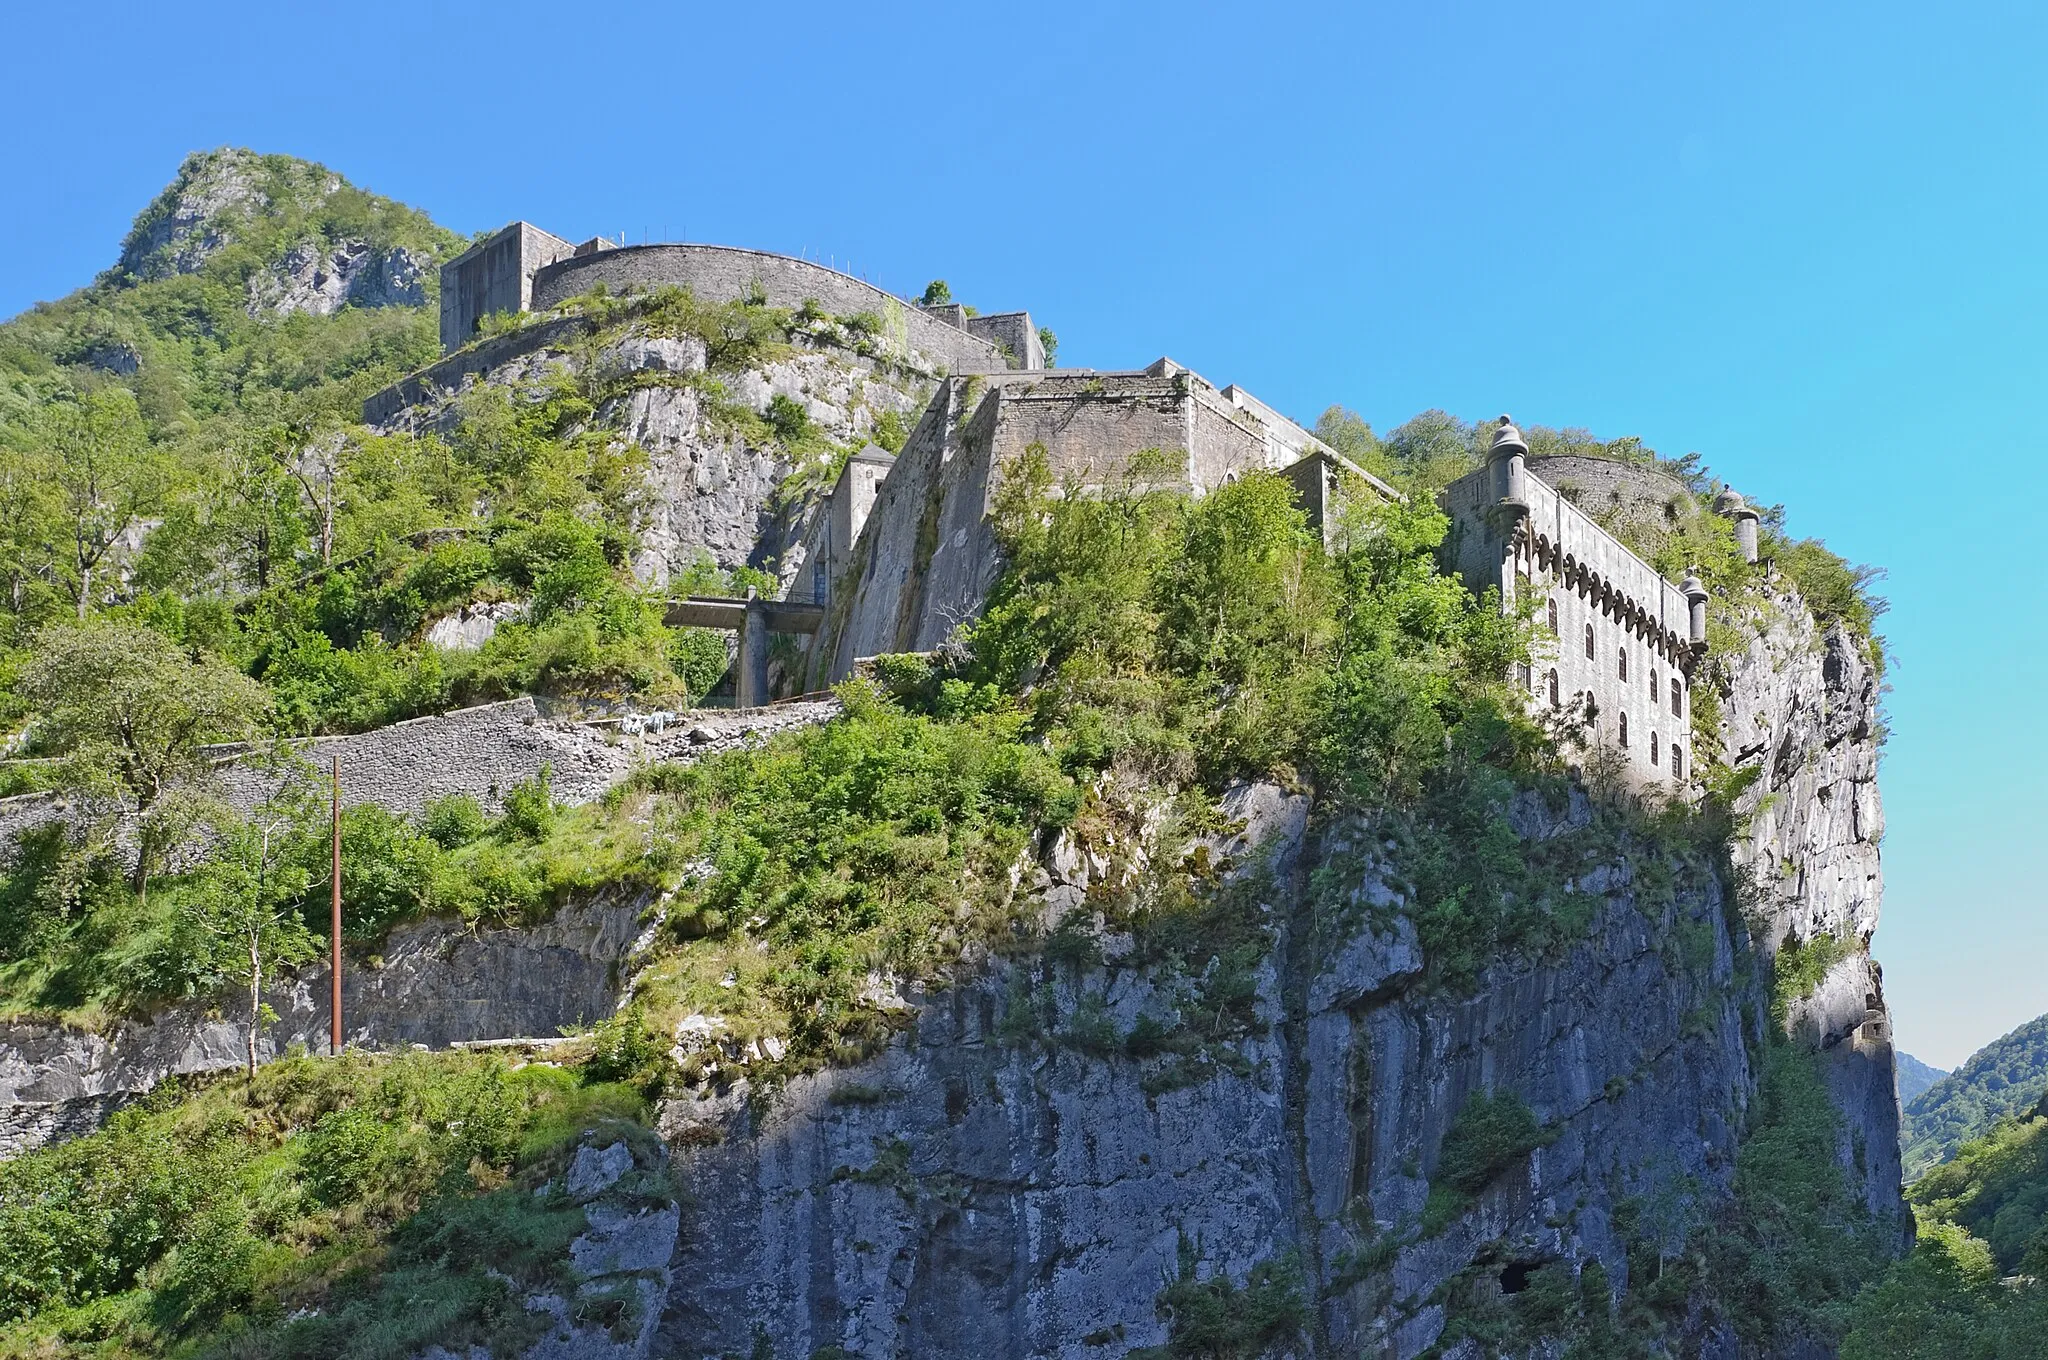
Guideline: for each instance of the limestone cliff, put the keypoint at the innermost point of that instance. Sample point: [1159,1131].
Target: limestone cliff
[715,488]
[1003,1180]
[1802,710]
[1017,1172]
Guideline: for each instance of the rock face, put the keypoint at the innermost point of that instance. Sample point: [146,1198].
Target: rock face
[715,490]
[989,1186]
[1803,711]
[193,218]
[994,1184]
[321,280]
[435,984]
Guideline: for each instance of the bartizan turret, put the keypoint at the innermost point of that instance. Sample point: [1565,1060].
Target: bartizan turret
[1696,601]
[1731,504]
[1507,457]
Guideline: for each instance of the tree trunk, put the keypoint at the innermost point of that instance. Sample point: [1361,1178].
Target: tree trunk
[84,591]
[255,1001]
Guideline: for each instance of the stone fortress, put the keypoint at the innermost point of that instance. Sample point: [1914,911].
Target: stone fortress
[1618,643]
[902,549]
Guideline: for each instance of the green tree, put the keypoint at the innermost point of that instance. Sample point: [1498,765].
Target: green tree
[130,712]
[248,902]
[106,478]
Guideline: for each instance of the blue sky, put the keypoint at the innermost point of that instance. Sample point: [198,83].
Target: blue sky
[1802,240]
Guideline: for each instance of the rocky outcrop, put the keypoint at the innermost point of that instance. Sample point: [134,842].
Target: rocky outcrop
[321,279]
[1001,1183]
[716,489]
[1801,711]
[195,216]
[436,983]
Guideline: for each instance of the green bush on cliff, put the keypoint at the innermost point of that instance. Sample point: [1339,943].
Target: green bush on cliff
[354,1208]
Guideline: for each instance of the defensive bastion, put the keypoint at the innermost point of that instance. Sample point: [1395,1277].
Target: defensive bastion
[523,269]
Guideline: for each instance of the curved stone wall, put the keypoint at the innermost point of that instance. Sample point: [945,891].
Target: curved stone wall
[728,273]
[1609,489]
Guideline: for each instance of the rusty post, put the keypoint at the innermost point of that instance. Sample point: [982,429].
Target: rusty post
[334,935]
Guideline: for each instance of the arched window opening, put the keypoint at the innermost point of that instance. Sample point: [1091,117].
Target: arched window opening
[1677,762]
[1621,726]
[1589,642]
[1653,748]
[1522,673]
[1656,688]
[1623,663]
[1677,698]
[1553,618]
[1553,689]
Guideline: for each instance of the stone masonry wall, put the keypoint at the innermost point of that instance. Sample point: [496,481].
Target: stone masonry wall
[727,274]
[928,556]
[479,751]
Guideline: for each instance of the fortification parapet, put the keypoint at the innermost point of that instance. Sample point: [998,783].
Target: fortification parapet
[731,274]
[1618,493]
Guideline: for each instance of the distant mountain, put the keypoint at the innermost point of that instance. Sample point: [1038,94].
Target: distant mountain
[2004,1077]
[1914,1077]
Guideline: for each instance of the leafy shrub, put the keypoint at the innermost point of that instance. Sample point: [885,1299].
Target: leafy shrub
[1489,1134]
[530,806]
[1215,1319]
[387,869]
[890,432]
[453,821]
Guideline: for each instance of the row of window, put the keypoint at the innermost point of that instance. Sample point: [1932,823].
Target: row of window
[1550,682]
[1621,669]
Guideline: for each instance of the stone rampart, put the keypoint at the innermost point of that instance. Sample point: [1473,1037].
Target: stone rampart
[928,556]
[480,751]
[729,274]
[1618,493]
[494,275]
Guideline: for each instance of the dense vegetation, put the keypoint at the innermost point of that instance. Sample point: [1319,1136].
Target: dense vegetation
[360,1208]
[1976,1286]
[2001,1079]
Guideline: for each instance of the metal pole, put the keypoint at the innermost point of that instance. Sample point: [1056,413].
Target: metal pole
[334,935]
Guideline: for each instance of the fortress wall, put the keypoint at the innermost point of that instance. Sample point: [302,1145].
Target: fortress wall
[1010,331]
[493,276]
[1618,493]
[1566,558]
[1090,424]
[928,555]
[448,375]
[728,274]
[935,493]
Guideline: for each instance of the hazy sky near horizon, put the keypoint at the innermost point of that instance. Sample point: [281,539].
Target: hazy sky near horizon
[1804,241]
